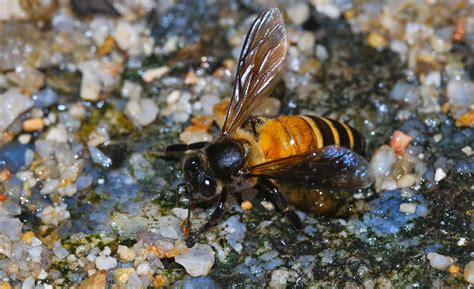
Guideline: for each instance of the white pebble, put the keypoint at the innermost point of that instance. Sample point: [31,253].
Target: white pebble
[155,73]
[467,150]
[197,261]
[327,8]
[408,208]
[407,181]
[461,242]
[279,278]
[180,213]
[321,52]
[12,104]
[141,112]
[267,205]
[173,97]
[298,13]
[461,96]
[105,262]
[168,226]
[439,174]
[469,272]
[29,283]
[439,261]
[57,133]
[126,254]
[99,157]
[306,42]
[131,89]
[144,269]
[382,161]
[437,137]
[388,184]
[24,138]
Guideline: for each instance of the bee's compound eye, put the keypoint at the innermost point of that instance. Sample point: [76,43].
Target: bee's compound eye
[208,187]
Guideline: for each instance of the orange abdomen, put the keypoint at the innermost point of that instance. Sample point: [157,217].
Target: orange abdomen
[290,135]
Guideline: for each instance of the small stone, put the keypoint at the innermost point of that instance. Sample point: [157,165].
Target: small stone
[306,42]
[27,77]
[270,107]
[437,137]
[279,278]
[298,13]
[406,181]
[45,98]
[190,78]
[168,226]
[121,275]
[246,205]
[96,281]
[197,261]
[466,119]
[57,133]
[54,215]
[461,96]
[439,175]
[469,272]
[141,112]
[321,52]
[382,161]
[267,205]
[24,138]
[188,136]
[467,150]
[126,254]
[99,157]
[377,40]
[408,208]
[126,35]
[131,89]
[5,285]
[439,261]
[160,281]
[28,283]
[155,73]
[144,269]
[33,124]
[10,227]
[400,141]
[327,8]
[180,213]
[12,104]
[105,262]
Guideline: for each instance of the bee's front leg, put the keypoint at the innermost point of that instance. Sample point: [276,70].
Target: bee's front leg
[216,214]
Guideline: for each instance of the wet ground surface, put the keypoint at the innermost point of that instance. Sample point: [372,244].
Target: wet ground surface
[87,92]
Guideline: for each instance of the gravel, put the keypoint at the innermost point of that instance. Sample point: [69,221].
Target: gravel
[197,261]
[13,104]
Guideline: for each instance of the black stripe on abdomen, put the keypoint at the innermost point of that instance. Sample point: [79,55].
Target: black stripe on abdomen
[326,132]
[343,136]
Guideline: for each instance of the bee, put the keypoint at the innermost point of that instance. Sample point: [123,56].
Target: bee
[301,150]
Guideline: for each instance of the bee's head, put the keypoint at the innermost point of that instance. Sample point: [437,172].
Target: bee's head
[202,186]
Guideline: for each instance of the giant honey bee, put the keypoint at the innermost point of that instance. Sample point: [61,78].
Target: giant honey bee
[301,150]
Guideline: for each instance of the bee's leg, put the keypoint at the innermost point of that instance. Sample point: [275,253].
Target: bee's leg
[255,121]
[174,148]
[218,211]
[281,203]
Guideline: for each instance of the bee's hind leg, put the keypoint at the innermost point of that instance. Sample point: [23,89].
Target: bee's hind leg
[281,204]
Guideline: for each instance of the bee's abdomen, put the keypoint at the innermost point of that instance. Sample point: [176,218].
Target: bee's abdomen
[289,135]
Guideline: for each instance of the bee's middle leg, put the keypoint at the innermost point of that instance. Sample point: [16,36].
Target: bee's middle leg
[281,203]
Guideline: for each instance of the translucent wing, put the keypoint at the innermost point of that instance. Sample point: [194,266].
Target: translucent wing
[331,167]
[261,64]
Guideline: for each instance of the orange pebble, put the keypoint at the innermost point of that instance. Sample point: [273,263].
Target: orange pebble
[466,119]
[400,141]
[3,198]
[246,205]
